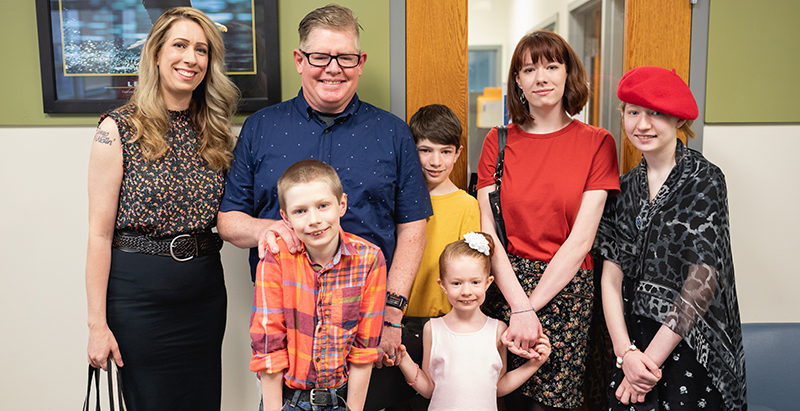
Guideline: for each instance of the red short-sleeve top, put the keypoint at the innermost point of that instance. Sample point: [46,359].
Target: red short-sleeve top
[544,178]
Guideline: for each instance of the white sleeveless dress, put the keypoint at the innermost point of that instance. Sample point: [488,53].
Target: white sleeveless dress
[464,367]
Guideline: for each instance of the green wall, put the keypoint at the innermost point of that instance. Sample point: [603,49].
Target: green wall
[20,80]
[753,62]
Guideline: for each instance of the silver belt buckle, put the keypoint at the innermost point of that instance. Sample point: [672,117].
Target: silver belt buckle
[172,251]
[321,393]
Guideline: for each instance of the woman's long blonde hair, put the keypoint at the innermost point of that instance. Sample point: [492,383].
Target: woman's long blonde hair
[213,104]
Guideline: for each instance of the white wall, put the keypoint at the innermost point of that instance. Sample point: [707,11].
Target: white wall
[44,228]
[763,176]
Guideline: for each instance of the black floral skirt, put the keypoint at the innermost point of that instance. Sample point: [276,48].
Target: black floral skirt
[565,319]
[685,384]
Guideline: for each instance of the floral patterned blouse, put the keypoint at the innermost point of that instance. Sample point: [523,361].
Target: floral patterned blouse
[172,195]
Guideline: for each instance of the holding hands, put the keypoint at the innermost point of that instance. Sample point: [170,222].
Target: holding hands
[511,380]
[542,348]
[523,334]
[400,355]
[390,343]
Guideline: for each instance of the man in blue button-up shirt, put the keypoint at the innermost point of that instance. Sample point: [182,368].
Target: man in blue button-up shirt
[371,149]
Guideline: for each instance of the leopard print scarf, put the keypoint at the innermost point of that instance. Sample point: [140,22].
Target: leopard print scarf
[677,250]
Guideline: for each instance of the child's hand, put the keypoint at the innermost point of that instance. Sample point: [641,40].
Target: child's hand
[400,354]
[536,351]
[513,349]
[543,348]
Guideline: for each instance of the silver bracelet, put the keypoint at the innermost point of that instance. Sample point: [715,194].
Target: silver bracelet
[523,311]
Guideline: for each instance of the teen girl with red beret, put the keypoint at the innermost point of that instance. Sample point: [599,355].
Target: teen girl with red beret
[668,287]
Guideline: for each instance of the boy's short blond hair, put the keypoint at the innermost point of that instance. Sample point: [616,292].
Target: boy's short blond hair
[306,171]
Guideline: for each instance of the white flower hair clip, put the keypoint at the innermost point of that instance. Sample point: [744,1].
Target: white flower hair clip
[477,242]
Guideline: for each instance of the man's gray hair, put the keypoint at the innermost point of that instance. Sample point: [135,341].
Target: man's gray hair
[332,17]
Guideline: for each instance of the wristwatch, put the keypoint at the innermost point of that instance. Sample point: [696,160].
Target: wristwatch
[396,301]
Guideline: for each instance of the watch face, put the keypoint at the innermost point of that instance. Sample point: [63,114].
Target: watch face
[396,301]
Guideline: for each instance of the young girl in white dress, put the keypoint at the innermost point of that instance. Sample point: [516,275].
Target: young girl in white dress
[464,359]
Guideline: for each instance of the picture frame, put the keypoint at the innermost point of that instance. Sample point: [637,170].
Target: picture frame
[89,49]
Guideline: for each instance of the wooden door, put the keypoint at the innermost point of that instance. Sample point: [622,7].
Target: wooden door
[657,33]
[436,64]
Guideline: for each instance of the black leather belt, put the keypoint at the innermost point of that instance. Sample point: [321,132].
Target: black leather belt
[182,247]
[318,396]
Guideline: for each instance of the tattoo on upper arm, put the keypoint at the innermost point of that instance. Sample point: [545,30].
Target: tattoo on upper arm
[102,137]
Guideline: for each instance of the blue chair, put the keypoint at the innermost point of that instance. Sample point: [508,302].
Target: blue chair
[772,363]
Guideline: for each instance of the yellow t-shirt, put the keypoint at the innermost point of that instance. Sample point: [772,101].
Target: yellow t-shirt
[454,215]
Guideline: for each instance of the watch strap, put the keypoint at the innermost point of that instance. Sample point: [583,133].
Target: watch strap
[397,301]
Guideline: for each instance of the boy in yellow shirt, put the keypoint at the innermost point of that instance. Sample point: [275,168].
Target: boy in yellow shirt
[437,134]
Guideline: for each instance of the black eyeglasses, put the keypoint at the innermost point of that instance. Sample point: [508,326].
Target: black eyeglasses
[323,60]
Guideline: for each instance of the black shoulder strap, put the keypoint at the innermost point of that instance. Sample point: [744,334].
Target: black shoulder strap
[502,136]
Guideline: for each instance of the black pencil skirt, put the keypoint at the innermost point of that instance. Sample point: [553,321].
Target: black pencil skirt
[169,319]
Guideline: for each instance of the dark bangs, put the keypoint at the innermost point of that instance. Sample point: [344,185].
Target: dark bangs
[542,45]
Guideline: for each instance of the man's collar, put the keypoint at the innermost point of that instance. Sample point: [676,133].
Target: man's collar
[309,112]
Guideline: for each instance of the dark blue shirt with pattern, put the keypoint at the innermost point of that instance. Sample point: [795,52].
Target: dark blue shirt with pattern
[371,149]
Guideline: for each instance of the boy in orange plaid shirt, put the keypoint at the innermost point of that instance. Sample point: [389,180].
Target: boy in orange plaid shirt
[317,314]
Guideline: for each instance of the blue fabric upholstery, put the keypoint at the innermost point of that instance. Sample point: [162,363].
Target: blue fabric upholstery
[772,362]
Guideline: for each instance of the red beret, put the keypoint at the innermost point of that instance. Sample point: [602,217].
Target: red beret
[658,89]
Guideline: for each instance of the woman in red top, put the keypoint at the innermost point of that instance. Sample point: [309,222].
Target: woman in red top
[557,175]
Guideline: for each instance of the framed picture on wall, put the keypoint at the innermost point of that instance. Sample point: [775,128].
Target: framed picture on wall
[89,49]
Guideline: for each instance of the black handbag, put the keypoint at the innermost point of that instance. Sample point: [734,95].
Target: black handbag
[94,374]
[494,196]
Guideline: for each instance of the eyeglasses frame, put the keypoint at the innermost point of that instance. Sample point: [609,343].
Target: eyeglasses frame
[331,58]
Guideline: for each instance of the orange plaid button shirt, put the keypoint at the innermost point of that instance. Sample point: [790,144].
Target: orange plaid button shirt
[313,323]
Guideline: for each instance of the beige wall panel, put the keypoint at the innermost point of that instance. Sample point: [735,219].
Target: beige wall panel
[761,170]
